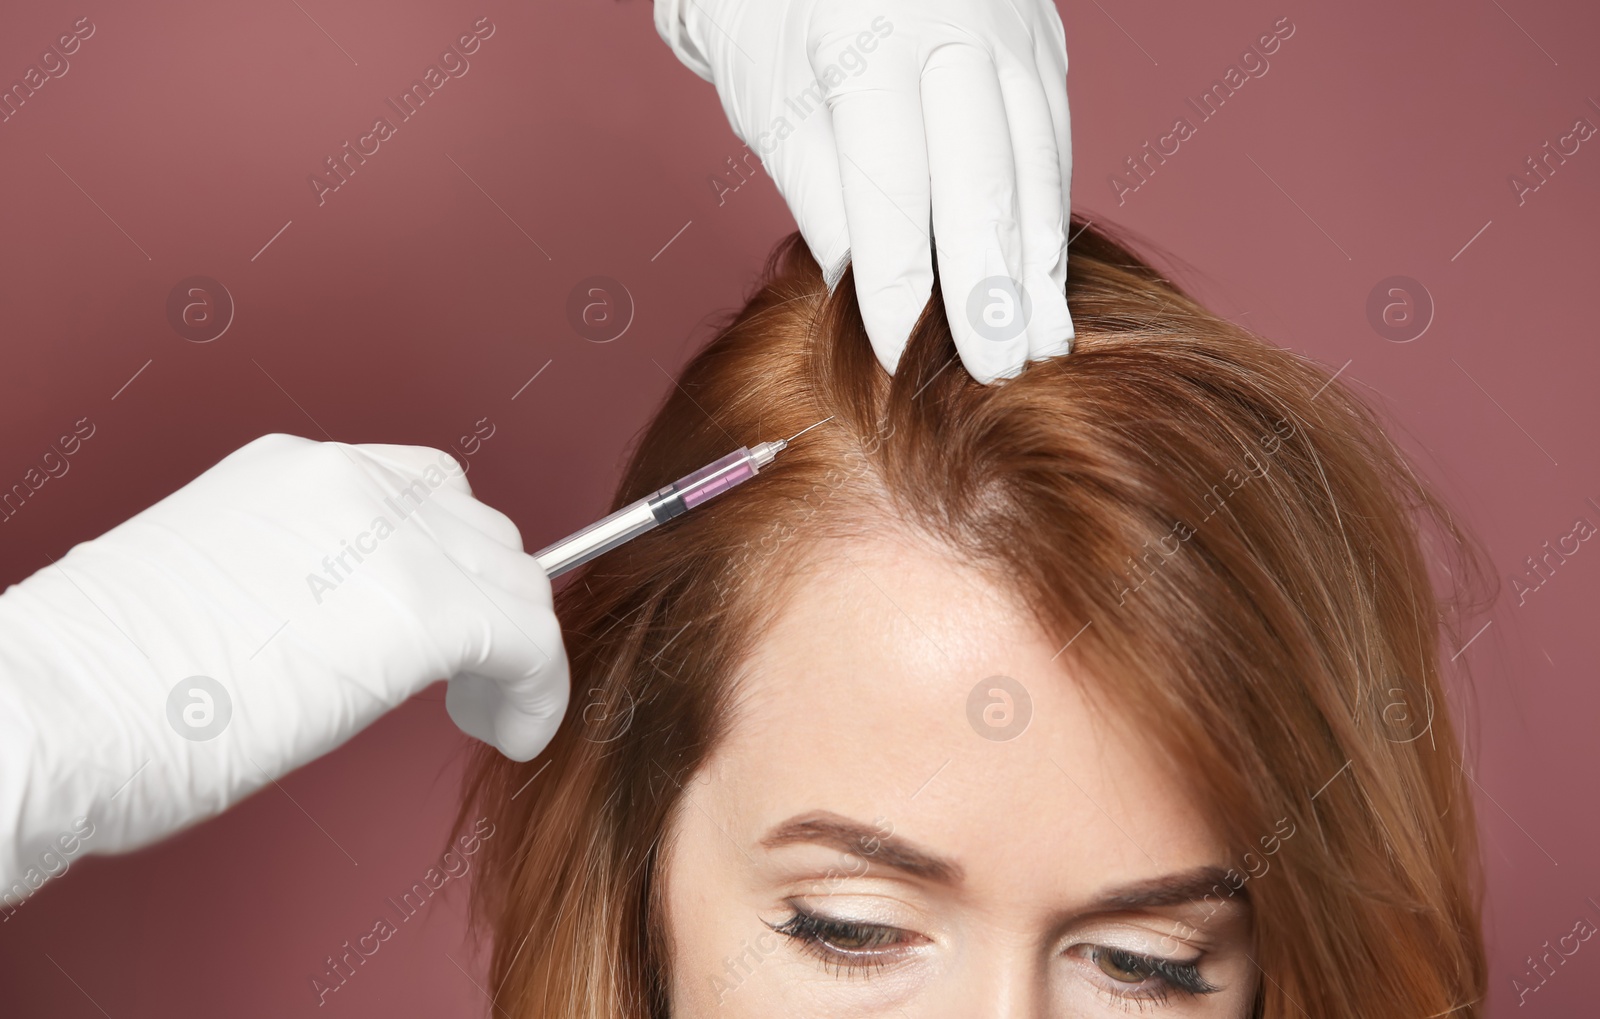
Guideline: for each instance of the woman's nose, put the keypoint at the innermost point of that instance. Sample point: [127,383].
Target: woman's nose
[1009,982]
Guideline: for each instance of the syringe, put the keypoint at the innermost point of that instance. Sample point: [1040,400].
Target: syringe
[657,508]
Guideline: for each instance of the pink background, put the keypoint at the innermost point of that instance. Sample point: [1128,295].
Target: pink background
[419,299]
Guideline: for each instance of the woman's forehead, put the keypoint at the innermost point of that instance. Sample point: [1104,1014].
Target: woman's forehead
[899,684]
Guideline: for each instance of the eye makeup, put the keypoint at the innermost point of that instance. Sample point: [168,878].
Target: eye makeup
[891,913]
[1139,977]
[847,947]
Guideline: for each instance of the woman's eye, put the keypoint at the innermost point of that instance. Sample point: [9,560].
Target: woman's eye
[1124,966]
[858,938]
[845,943]
[1145,976]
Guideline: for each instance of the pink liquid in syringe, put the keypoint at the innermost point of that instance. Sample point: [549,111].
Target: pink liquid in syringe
[713,479]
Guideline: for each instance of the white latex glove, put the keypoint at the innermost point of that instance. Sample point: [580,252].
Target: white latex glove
[866,112]
[99,715]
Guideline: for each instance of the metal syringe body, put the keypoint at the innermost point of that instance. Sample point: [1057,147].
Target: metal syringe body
[657,508]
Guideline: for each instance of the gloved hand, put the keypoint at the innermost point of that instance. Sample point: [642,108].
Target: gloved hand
[865,112]
[252,621]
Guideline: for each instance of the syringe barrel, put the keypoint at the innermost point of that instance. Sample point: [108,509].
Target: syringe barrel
[713,479]
[657,508]
[603,535]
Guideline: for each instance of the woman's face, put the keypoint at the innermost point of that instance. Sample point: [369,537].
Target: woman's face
[876,837]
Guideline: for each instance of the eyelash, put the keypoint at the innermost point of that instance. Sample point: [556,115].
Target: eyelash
[818,935]
[1170,976]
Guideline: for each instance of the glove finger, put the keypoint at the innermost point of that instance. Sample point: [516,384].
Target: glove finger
[416,462]
[975,211]
[410,476]
[481,517]
[806,170]
[488,561]
[1050,58]
[1050,55]
[499,631]
[883,165]
[511,693]
[1041,201]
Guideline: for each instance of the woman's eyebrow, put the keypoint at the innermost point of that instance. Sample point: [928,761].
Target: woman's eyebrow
[1179,889]
[865,842]
[870,843]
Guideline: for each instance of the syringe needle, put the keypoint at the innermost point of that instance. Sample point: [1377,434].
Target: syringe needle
[806,429]
[672,501]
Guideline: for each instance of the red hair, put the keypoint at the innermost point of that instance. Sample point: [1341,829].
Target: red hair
[1235,530]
